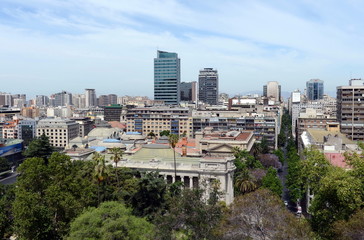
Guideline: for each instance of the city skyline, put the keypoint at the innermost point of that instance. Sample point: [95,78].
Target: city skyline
[110,45]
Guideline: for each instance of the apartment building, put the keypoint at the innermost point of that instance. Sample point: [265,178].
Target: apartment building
[59,131]
[156,119]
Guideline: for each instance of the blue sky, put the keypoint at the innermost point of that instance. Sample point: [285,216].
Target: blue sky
[51,45]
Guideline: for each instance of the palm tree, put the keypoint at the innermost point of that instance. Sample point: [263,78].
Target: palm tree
[244,183]
[173,140]
[101,172]
[117,154]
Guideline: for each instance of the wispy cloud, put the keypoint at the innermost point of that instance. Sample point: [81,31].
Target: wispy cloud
[109,44]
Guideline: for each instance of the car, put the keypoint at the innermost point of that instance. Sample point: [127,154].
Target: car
[286,203]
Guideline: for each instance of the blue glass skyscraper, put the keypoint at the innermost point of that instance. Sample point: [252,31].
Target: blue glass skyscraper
[315,89]
[167,78]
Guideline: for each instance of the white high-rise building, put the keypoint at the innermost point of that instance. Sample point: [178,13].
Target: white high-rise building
[90,97]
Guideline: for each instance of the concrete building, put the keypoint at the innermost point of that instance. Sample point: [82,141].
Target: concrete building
[314,89]
[350,109]
[156,119]
[10,129]
[272,90]
[188,91]
[112,112]
[208,86]
[167,77]
[90,98]
[30,112]
[265,125]
[41,101]
[27,130]
[59,131]
[85,125]
[313,118]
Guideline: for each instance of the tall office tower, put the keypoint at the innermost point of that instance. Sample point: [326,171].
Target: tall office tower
[315,89]
[188,91]
[41,101]
[208,85]
[350,109]
[113,99]
[272,90]
[167,77]
[90,95]
[62,99]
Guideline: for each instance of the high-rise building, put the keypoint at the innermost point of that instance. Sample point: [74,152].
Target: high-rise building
[167,77]
[272,90]
[62,99]
[41,101]
[208,85]
[188,91]
[90,96]
[315,89]
[350,109]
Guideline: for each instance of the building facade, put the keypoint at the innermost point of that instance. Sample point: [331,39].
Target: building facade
[315,89]
[272,90]
[90,97]
[112,112]
[156,119]
[208,86]
[188,91]
[27,130]
[59,131]
[167,78]
[350,109]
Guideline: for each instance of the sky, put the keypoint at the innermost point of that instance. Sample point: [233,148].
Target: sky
[47,46]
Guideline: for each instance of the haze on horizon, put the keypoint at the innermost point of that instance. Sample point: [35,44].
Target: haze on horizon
[109,45]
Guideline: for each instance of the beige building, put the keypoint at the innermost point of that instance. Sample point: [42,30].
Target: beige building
[156,119]
[222,143]
[59,131]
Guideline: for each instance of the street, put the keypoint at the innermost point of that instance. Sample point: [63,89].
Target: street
[10,179]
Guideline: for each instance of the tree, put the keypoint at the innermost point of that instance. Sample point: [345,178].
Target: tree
[337,197]
[39,147]
[261,215]
[272,182]
[244,183]
[150,197]
[101,171]
[4,164]
[190,215]
[173,140]
[7,197]
[111,220]
[164,133]
[353,229]
[151,135]
[49,196]
[117,154]
[264,145]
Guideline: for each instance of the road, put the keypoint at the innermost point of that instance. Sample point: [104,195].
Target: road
[9,179]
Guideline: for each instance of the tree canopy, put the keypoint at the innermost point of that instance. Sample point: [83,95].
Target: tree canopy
[39,147]
[111,220]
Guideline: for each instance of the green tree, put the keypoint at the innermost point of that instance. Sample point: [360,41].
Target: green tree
[7,197]
[264,145]
[352,229]
[191,215]
[261,215]
[49,196]
[39,147]
[151,135]
[116,157]
[164,133]
[244,183]
[272,182]
[337,197]
[4,164]
[150,197]
[173,140]
[101,172]
[111,220]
